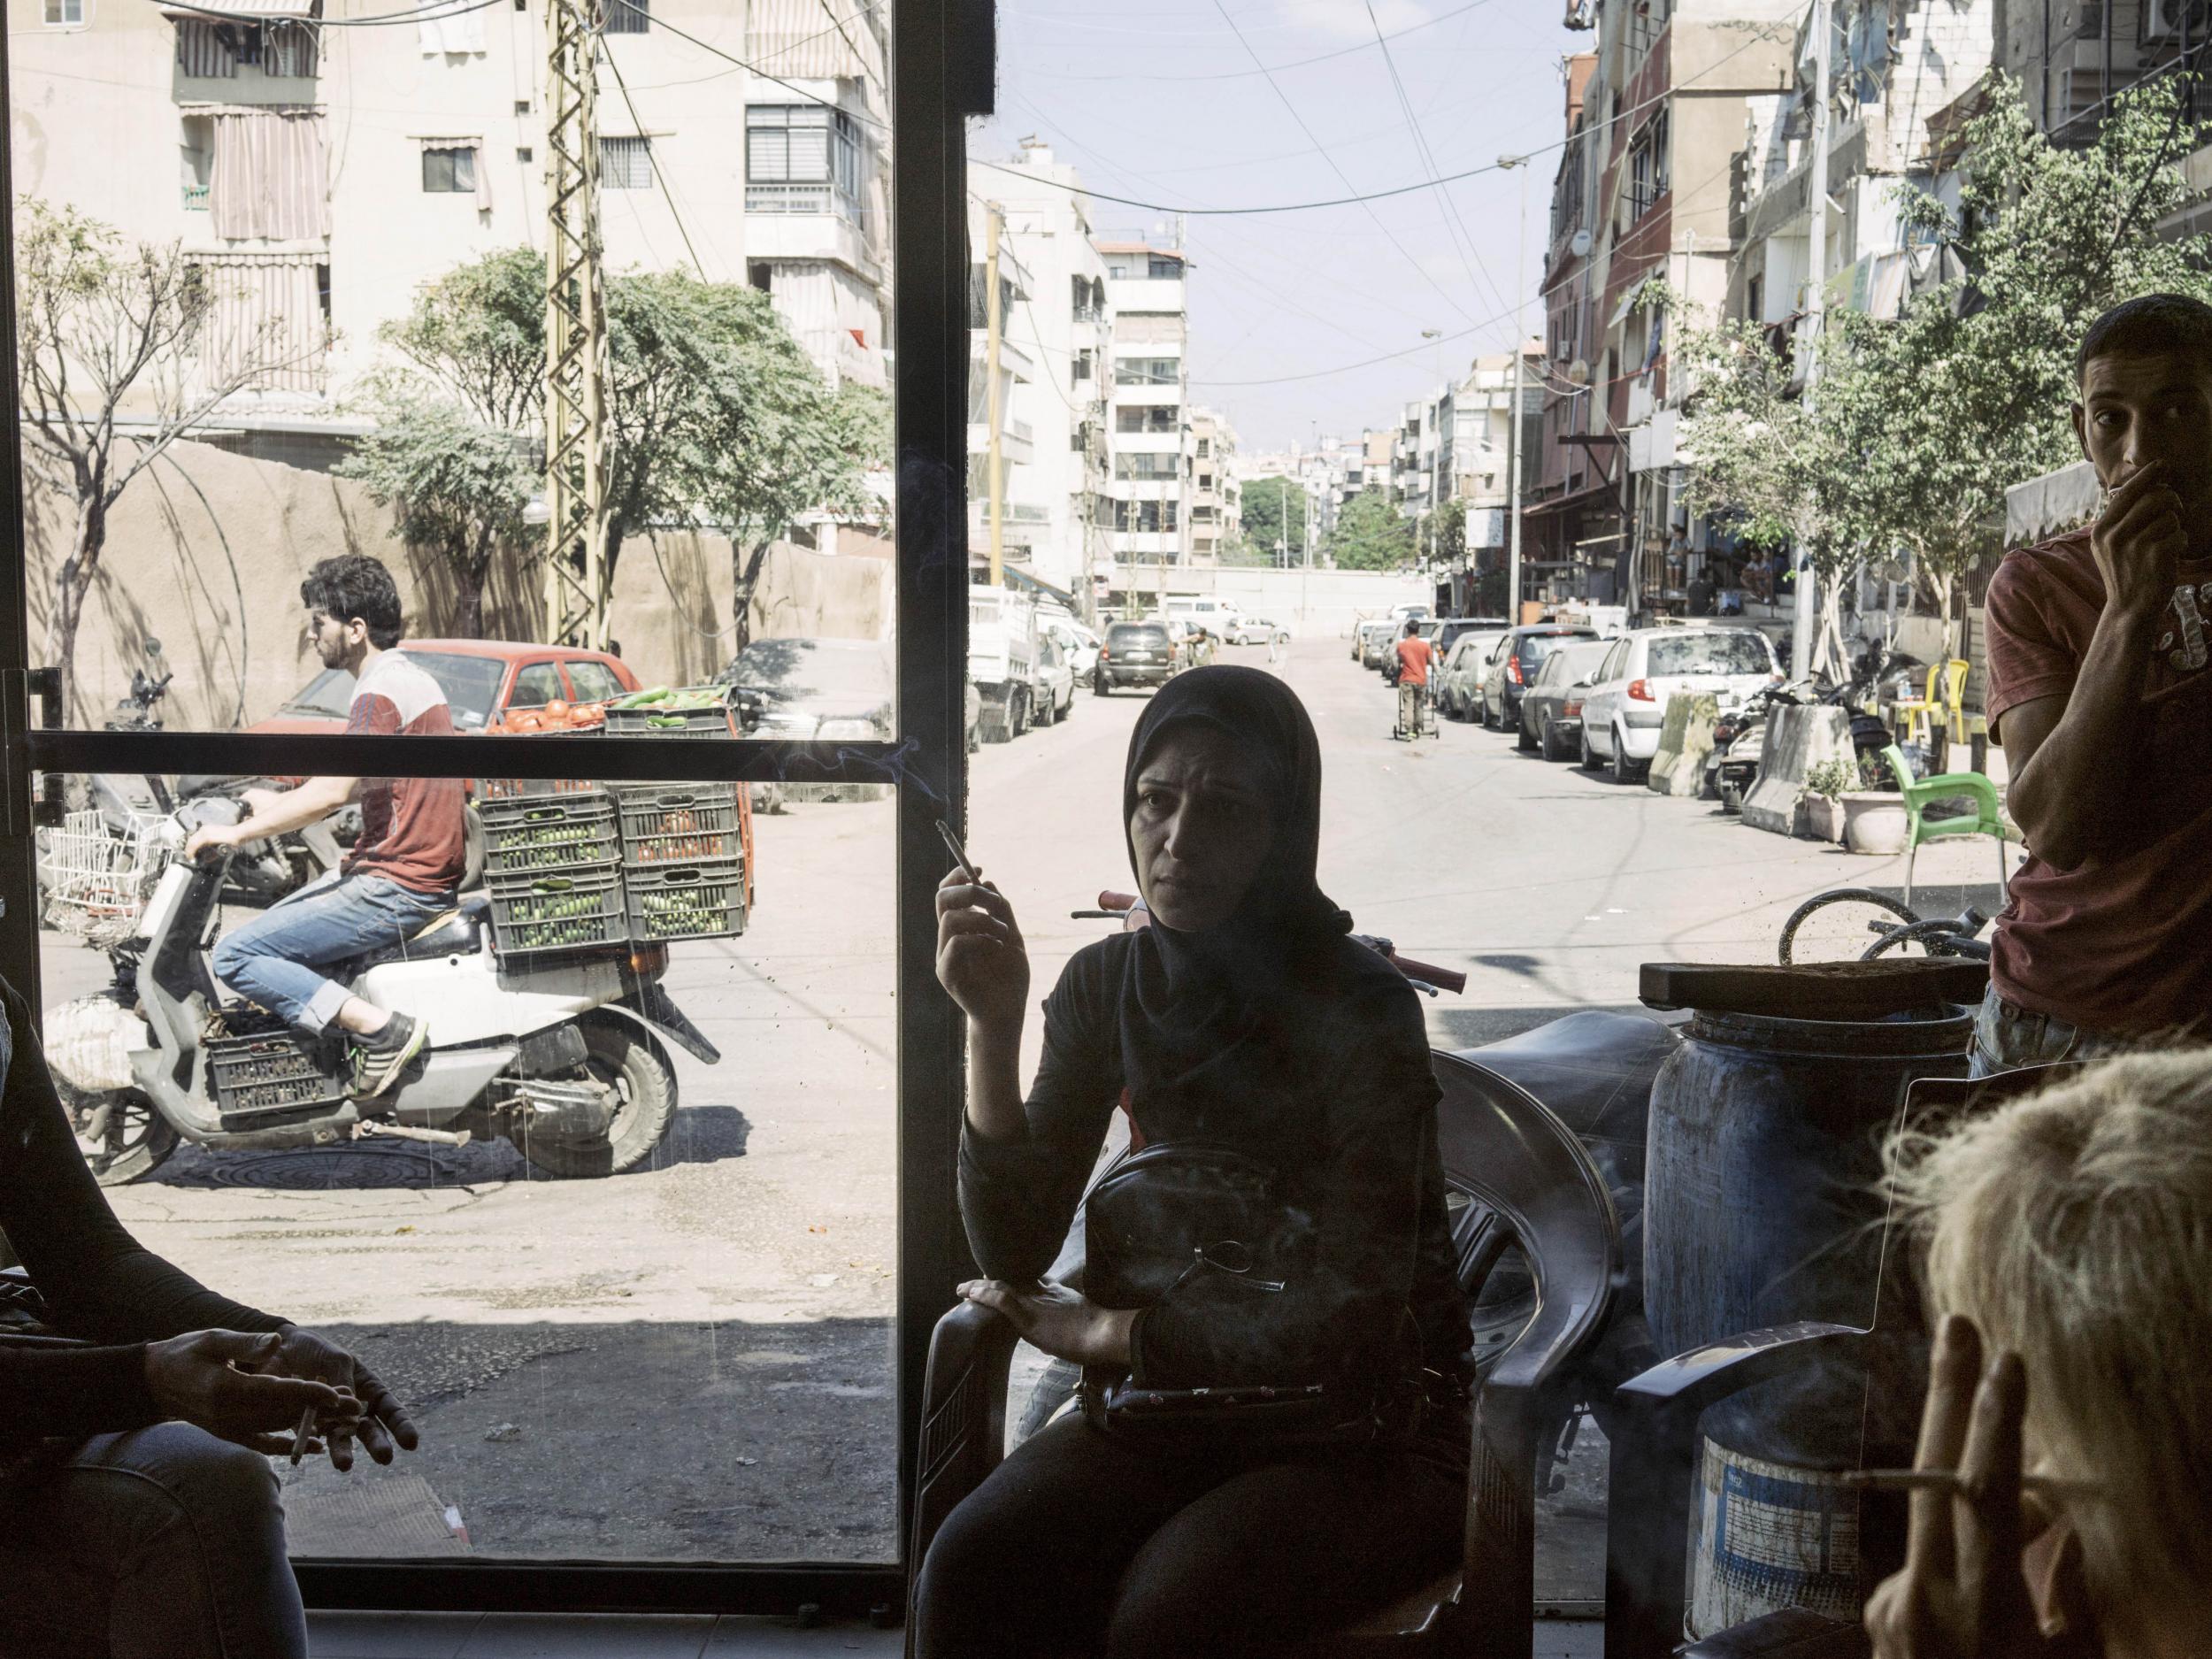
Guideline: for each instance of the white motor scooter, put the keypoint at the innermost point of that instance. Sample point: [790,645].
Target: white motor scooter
[563,1052]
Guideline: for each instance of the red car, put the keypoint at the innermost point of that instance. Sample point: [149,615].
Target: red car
[481,679]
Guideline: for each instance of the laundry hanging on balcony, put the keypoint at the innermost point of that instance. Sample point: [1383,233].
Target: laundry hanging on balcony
[278,37]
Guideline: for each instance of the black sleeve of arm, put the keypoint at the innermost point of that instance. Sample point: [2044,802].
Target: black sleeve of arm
[1018,1197]
[99,1283]
[1349,1312]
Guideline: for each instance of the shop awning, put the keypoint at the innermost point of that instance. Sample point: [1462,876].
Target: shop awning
[243,11]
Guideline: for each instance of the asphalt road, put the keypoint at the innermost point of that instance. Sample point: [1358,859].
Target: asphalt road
[694,1361]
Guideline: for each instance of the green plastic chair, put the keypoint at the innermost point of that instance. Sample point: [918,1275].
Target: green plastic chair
[1987,818]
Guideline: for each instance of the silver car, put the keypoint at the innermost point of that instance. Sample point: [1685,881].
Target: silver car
[1459,685]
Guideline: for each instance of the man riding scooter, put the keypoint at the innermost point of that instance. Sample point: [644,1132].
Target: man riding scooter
[402,873]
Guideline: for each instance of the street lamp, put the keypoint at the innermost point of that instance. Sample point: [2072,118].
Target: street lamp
[1513,415]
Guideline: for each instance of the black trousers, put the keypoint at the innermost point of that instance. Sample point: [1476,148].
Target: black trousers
[1078,1545]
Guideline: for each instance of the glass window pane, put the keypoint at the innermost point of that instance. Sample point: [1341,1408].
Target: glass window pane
[688,1358]
[592,681]
[537,684]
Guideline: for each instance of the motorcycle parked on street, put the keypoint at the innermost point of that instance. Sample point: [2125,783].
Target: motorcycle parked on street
[1739,735]
[564,1054]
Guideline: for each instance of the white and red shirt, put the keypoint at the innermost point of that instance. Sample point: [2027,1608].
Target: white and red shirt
[413,829]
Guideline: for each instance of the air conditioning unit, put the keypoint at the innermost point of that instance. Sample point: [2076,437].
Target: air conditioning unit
[2170,20]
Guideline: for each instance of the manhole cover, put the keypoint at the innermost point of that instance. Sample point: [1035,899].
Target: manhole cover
[329,1168]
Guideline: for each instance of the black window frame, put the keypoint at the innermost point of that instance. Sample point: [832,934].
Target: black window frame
[443,161]
[941,72]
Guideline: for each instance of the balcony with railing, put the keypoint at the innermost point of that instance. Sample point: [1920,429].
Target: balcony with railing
[196,197]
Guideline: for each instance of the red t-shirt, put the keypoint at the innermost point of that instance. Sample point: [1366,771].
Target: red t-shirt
[413,829]
[1415,655]
[2123,945]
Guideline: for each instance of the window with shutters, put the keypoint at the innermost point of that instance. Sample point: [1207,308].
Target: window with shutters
[625,163]
[629,17]
[449,170]
[802,158]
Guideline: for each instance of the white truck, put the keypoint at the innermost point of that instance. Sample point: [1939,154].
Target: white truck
[1002,659]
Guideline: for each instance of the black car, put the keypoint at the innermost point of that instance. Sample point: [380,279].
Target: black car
[1520,654]
[1450,628]
[1551,709]
[1135,654]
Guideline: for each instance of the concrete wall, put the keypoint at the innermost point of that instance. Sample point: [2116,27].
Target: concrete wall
[207,555]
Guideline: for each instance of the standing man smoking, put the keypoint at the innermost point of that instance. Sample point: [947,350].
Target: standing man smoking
[2099,692]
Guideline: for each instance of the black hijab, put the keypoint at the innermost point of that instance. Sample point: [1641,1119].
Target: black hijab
[1207,1017]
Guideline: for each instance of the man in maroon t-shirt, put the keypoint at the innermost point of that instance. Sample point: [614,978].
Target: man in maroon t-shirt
[402,871]
[2098,690]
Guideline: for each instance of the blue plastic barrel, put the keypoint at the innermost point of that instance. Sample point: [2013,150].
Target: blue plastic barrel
[1762,1205]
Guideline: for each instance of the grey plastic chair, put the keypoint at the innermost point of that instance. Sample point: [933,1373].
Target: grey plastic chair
[1504,1151]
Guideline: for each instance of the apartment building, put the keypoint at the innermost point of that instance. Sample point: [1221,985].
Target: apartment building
[1002,447]
[1059,512]
[1150,442]
[1216,486]
[1485,445]
[1656,115]
[320,174]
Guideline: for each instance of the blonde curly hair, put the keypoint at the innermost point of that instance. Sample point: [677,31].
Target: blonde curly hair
[2074,1227]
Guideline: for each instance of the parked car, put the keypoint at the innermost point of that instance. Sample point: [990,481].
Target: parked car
[1079,644]
[1379,643]
[1255,631]
[1136,654]
[1182,634]
[1551,710]
[1519,654]
[1460,682]
[481,679]
[1626,705]
[1449,631]
[1055,678]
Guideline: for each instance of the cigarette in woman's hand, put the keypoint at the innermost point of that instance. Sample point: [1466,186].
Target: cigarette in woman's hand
[301,1436]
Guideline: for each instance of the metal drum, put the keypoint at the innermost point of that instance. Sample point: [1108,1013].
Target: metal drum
[1762,1206]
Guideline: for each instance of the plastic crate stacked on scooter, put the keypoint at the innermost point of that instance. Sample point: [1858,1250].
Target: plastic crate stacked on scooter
[571,864]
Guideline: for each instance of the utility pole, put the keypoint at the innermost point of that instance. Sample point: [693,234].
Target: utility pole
[995,329]
[578,581]
[1514,457]
[1807,599]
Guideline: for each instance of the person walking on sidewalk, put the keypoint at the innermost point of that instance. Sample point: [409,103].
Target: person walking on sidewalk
[2099,691]
[1414,655]
[403,871]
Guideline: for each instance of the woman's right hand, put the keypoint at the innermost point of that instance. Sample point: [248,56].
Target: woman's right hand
[981,961]
[210,1379]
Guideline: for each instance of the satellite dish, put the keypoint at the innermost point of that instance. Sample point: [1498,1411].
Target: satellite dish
[1578,371]
[1579,244]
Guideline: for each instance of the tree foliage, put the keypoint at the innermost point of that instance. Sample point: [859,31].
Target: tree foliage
[718,416]
[1273,515]
[1920,422]
[1371,534]
[455,485]
[102,322]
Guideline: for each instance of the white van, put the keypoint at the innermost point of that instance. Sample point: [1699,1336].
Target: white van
[1220,616]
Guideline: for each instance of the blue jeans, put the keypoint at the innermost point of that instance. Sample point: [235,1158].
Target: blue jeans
[272,958]
[163,1543]
[2008,1037]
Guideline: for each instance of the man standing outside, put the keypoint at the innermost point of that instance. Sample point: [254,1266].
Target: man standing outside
[403,871]
[1415,654]
[2098,690]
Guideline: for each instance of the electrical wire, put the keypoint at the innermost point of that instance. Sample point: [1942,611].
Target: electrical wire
[1283,98]
[731,57]
[1454,223]
[1369,195]
[659,175]
[437,12]
[1296,63]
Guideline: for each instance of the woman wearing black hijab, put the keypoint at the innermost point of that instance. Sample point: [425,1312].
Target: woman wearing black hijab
[1243,1017]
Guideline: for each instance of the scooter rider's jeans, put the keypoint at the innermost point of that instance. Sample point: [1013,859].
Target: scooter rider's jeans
[163,1543]
[274,958]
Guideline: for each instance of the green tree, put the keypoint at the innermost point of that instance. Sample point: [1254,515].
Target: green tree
[455,485]
[717,414]
[1371,534]
[102,322]
[1274,511]
[1450,529]
[1967,390]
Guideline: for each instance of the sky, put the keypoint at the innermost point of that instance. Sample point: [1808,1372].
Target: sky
[1160,101]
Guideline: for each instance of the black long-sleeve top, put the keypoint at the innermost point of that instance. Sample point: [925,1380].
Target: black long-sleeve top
[1341,1101]
[100,1286]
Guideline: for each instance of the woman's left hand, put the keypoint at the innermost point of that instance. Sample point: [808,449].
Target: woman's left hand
[1059,1321]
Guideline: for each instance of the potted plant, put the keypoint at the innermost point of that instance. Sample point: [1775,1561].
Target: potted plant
[1820,809]
[1874,818]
